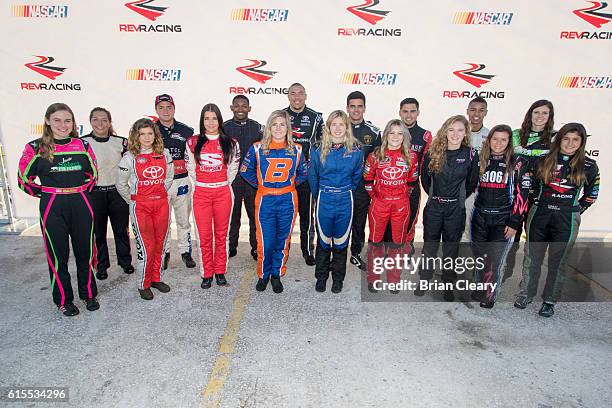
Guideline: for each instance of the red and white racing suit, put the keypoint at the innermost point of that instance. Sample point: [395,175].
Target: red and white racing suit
[213,200]
[143,182]
[388,183]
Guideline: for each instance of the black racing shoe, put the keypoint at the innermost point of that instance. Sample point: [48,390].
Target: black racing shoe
[336,287]
[487,304]
[320,285]
[448,295]
[262,284]
[220,278]
[310,260]
[547,309]
[232,252]
[101,274]
[188,260]
[371,287]
[477,295]
[254,254]
[129,269]
[419,292]
[69,309]
[161,286]
[277,285]
[206,283]
[91,304]
[521,302]
[166,260]
[358,262]
[146,294]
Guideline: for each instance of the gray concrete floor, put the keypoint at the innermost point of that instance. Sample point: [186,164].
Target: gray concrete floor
[233,347]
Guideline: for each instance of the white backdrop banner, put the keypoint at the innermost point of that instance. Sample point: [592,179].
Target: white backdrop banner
[119,54]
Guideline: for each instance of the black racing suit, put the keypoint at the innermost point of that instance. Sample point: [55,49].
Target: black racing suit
[420,139]
[553,223]
[369,137]
[533,149]
[246,133]
[444,213]
[307,127]
[107,203]
[501,201]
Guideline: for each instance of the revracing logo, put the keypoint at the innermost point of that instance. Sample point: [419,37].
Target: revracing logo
[367,12]
[370,14]
[273,15]
[603,82]
[151,12]
[354,78]
[482,18]
[254,71]
[153,74]
[474,77]
[470,75]
[38,11]
[42,66]
[593,15]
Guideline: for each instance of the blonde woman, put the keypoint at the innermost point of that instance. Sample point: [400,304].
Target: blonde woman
[144,176]
[450,174]
[275,166]
[336,164]
[66,170]
[388,176]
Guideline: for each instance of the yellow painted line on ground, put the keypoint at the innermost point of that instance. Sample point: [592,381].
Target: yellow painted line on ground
[211,396]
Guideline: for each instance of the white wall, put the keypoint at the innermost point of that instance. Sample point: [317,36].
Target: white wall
[527,57]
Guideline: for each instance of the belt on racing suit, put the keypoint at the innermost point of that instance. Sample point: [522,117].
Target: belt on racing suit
[65,190]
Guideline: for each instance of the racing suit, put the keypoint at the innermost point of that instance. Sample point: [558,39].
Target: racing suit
[246,133]
[476,141]
[420,140]
[307,127]
[332,183]
[369,136]
[179,195]
[388,182]
[213,200]
[501,200]
[553,222]
[444,213]
[65,211]
[107,203]
[530,153]
[275,174]
[143,182]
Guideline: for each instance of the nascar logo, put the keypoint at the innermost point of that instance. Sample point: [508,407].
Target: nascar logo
[585,82]
[354,78]
[259,14]
[38,11]
[153,74]
[482,18]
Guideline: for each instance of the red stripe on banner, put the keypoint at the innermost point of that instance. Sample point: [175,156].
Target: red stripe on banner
[574,82]
[244,14]
[470,17]
[355,78]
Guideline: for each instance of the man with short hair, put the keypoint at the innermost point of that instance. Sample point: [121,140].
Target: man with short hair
[175,135]
[420,139]
[307,126]
[246,131]
[369,137]
[476,112]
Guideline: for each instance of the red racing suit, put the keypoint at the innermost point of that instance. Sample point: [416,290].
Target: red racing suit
[143,182]
[213,200]
[389,181]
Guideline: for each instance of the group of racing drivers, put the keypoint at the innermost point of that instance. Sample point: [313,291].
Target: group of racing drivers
[334,173]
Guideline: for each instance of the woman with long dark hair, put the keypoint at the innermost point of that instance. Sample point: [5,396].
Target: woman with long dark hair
[336,165]
[66,170]
[449,175]
[144,176]
[566,184]
[107,203]
[501,200]
[388,174]
[531,141]
[212,162]
[275,166]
